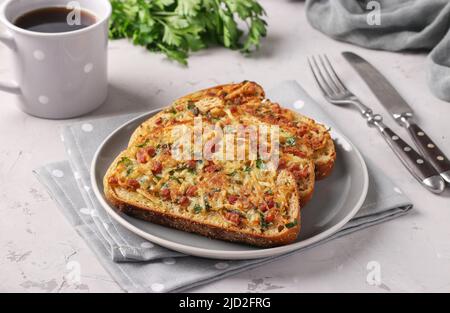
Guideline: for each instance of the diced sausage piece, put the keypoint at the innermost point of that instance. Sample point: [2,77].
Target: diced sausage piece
[270,217]
[165,193]
[300,173]
[233,217]
[191,164]
[151,151]
[184,201]
[157,167]
[113,181]
[191,191]
[212,168]
[142,156]
[282,164]
[232,199]
[270,203]
[133,184]
[295,167]
[294,151]
[263,207]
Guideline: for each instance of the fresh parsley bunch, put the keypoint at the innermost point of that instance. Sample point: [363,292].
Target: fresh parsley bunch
[177,27]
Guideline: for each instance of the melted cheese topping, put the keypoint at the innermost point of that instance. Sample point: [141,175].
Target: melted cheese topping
[241,193]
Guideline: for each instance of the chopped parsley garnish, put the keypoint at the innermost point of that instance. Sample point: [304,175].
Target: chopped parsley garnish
[262,221]
[143,144]
[233,173]
[291,224]
[125,161]
[128,165]
[247,169]
[129,170]
[269,192]
[260,164]
[171,110]
[193,108]
[291,141]
[207,205]
[197,209]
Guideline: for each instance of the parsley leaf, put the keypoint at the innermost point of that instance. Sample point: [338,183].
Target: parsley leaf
[291,141]
[197,209]
[128,165]
[143,144]
[260,164]
[291,224]
[178,27]
[262,221]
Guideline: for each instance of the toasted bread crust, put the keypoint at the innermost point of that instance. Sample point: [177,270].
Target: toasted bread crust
[324,169]
[326,158]
[251,89]
[152,214]
[211,231]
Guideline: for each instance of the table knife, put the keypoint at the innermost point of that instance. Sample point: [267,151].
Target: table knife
[400,111]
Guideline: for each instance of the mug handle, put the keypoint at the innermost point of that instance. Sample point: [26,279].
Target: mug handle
[10,86]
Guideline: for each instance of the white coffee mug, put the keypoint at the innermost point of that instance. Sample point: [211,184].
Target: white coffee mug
[57,75]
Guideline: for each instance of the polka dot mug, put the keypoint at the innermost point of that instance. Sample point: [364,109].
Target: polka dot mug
[57,75]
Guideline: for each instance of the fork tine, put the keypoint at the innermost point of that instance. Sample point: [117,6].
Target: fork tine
[327,73]
[322,82]
[325,93]
[336,77]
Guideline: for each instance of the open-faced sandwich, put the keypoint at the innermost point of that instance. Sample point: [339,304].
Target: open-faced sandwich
[195,166]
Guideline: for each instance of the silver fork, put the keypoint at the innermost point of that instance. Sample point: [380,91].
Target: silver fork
[336,93]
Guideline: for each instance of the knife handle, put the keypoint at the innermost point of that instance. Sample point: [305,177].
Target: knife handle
[430,151]
[421,169]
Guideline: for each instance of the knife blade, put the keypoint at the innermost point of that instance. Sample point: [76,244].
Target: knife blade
[400,111]
[383,90]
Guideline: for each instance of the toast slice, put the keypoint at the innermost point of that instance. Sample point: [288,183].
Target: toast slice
[301,128]
[238,200]
[248,92]
[249,97]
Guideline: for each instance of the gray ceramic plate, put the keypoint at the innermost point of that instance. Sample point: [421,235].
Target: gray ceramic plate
[337,199]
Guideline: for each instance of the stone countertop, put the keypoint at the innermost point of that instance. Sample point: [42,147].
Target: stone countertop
[413,252]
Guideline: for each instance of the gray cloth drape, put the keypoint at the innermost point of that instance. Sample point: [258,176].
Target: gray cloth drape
[403,25]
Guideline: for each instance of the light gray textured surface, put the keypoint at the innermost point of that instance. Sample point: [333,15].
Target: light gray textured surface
[36,242]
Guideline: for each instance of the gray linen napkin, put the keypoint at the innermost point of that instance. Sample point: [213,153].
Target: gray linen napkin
[140,266]
[404,24]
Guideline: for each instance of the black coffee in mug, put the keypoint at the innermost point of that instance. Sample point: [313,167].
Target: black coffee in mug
[55,20]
